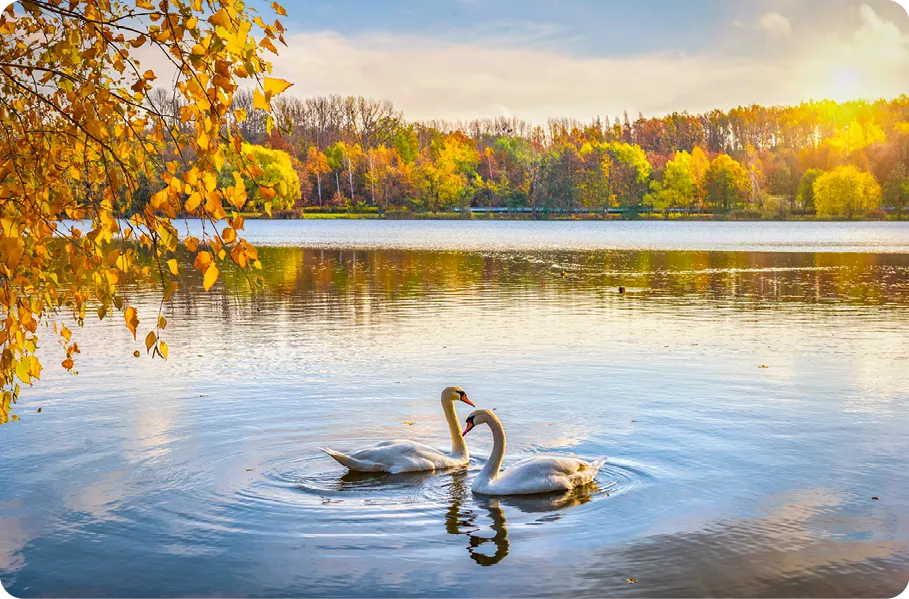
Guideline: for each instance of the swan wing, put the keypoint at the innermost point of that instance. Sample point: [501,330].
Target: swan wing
[395,457]
[542,474]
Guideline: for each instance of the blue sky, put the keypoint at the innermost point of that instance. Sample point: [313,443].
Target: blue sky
[458,59]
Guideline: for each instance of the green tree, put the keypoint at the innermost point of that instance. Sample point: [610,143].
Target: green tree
[896,189]
[846,191]
[805,194]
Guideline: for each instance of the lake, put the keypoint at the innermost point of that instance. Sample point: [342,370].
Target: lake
[750,390]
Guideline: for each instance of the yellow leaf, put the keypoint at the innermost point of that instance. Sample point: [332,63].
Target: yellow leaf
[259,101]
[169,291]
[150,340]
[191,243]
[228,235]
[172,265]
[162,322]
[132,320]
[162,349]
[136,354]
[220,18]
[211,275]
[279,9]
[203,260]
[68,363]
[275,86]
[145,4]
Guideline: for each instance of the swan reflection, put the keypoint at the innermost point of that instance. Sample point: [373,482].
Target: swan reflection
[470,518]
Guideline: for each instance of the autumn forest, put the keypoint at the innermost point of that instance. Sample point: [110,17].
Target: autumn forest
[824,159]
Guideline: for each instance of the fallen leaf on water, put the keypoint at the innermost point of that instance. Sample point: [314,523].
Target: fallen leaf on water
[39,410]
[631,580]
[634,420]
[408,422]
[249,469]
[763,366]
[872,499]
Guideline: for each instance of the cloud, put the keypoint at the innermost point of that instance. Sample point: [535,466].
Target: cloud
[435,78]
[776,24]
[430,79]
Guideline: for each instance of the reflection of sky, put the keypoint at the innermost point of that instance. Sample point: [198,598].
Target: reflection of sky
[140,459]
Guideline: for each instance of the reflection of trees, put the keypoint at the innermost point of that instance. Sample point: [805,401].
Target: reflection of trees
[366,283]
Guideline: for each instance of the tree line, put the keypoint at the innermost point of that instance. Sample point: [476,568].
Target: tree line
[821,158]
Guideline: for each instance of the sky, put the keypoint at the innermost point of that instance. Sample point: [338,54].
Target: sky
[536,59]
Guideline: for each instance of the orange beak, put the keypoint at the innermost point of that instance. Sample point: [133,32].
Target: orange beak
[467,430]
[466,400]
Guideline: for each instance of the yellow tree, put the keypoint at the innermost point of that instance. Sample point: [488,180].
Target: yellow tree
[79,136]
[846,192]
[317,164]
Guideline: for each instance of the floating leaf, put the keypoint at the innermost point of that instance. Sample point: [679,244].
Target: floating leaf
[631,580]
[409,422]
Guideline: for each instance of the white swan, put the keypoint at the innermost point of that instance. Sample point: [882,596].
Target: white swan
[538,474]
[409,456]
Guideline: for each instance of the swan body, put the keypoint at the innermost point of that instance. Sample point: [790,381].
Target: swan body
[402,455]
[538,474]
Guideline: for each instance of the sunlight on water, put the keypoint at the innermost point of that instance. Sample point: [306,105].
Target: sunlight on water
[751,404]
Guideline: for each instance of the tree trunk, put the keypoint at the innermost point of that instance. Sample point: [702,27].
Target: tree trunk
[319,187]
[350,178]
[372,178]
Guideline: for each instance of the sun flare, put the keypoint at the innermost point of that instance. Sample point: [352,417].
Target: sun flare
[846,84]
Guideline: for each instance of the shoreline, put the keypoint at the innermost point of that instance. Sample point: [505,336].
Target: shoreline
[546,217]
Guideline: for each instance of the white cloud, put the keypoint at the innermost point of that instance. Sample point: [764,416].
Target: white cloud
[434,78]
[776,24]
[521,74]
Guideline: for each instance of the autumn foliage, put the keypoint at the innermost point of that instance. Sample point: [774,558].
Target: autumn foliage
[80,139]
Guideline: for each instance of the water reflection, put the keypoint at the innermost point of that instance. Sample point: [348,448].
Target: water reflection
[465,519]
[206,466]
[472,515]
[367,280]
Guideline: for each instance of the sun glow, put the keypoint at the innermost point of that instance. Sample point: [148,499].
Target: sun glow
[846,84]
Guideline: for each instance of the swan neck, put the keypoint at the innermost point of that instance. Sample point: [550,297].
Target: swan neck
[458,444]
[491,470]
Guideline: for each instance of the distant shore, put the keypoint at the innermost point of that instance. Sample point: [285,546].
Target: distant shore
[527,216]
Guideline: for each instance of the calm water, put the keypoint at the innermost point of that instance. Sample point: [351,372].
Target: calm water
[201,475]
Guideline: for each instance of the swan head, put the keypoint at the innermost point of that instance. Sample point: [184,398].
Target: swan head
[478,417]
[456,394]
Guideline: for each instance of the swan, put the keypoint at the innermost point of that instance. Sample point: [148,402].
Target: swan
[409,456]
[538,474]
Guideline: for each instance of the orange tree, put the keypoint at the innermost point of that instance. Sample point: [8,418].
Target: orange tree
[80,139]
